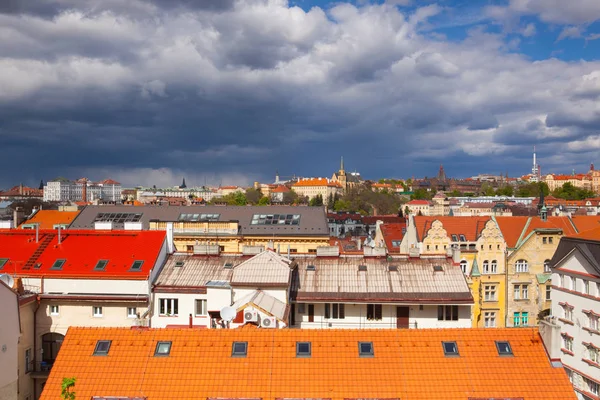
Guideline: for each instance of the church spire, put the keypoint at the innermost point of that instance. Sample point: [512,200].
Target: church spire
[183,185]
[342,164]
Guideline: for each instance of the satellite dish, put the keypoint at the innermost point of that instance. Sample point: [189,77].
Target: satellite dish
[228,313]
[9,280]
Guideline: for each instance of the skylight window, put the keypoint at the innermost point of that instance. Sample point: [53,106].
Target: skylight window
[362,267]
[101,265]
[393,268]
[118,218]
[179,264]
[102,347]
[137,265]
[303,349]
[450,349]
[275,219]
[239,349]
[438,268]
[3,262]
[311,268]
[228,265]
[58,264]
[504,348]
[163,349]
[365,349]
[462,238]
[454,238]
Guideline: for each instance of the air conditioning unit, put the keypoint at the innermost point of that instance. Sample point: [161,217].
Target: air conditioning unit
[250,316]
[269,322]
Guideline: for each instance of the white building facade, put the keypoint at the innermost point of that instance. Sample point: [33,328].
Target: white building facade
[65,190]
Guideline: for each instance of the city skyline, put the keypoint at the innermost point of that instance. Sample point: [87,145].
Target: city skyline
[149,92]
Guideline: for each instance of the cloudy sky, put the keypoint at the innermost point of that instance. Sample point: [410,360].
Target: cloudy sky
[228,91]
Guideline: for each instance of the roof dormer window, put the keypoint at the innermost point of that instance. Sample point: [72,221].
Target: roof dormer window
[58,264]
[303,349]
[450,349]
[137,265]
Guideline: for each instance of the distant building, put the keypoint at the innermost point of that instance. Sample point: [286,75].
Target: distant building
[82,190]
[21,192]
[313,187]
[346,181]
[9,340]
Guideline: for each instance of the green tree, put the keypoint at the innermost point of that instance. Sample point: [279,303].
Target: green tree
[290,197]
[253,196]
[532,190]
[506,190]
[420,194]
[264,201]
[68,384]
[316,201]
[487,189]
[240,199]
[455,193]
[570,192]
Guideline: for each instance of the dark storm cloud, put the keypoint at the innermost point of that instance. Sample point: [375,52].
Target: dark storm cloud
[149,91]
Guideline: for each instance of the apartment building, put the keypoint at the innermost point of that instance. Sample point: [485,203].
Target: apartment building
[81,278]
[271,364]
[10,331]
[313,187]
[576,309]
[82,190]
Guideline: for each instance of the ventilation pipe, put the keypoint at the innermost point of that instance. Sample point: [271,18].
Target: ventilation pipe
[170,246]
[37,233]
[288,251]
[59,238]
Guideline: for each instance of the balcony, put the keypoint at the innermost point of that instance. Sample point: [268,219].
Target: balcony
[42,370]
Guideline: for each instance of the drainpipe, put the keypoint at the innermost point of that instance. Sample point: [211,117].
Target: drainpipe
[506,288]
[35,351]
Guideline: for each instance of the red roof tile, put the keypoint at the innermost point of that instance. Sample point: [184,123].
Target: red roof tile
[407,364]
[82,250]
[471,227]
[393,232]
[418,202]
[386,219]
[586,222]
[591,234]
[513,228]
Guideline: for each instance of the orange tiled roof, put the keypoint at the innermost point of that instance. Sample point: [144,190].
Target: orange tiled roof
[317,182]
[407,364]
[516,227]
[590,234]
[471,227]
[82,250]
[48,218]
[392,232]
[15,191]
[418,202]
[585,222]
[280,189]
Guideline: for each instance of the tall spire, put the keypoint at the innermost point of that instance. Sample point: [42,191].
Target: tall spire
[342,164]
[183,185]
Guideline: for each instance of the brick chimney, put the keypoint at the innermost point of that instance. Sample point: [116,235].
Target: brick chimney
[18,216]
[84,190]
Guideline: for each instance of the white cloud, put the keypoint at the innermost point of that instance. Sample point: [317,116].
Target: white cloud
[570,32]
[529,30]
[551,11]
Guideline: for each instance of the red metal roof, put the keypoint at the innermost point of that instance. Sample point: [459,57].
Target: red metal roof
[393,232]
[82,250]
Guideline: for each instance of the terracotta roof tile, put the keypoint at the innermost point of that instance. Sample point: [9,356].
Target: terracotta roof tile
[407,364]
[48,218]
[515,228]
[393,233]
[316,182]
[471,227]
[586,222]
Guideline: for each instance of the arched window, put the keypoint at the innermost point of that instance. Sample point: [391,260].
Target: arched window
[547,266]
[521,266]
[494,267]
[463,266]
[486,267]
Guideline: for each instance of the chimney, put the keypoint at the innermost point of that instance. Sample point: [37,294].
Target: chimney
[288,251]
[170,245]
[358,243]
[59,237]
[84,190]
[191,321]
[37,233]
[18,216]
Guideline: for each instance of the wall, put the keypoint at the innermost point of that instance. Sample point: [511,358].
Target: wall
[279,294]
[9,338]
[96,286]
[356,317]
[26,383]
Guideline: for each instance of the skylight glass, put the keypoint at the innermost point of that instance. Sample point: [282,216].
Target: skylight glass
[101,265]
[118,218]
[163,349]
[137,265]
[438,268]
[58,264]
[393,268]
[450,348]
[102,347]
[239,349]
[179,263]
[3,262]
[362,267]
[365,349]
[275,219]
[303,349]
[311,268]
[504,348]
[228,265]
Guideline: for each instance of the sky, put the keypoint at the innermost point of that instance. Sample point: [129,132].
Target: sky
[148,92]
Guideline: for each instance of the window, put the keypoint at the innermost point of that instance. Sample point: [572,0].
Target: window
[567,312]
[547,267]
[561,281]
[393,268]
[101,265]
[544,240]
[593,322]
[593,354]
[450,349]
[168,307]
[303,349]
[567,342]
[3,262]
[489,319]
[137,265]
[311,267]
[335,311]
[486,267]
[97,311]
[301,308]
[454,238]
[447,313]
[201,305]
[568,283]
[494,267]
[131,312]
[586,287]
[228,265]
[520,319]
[362,268]
[180,264]
[28,361]
[54,310]
[521,292]
[199,217]
[521,266]
[58,264]
[490,292]
[396,243]
[102,347]
[462,238]
[592,386]
[163,349]
[374,312]
[548,292]
[365,349]
[239,349]
[463,266]
[504,348]
[275,219]
[550,240]
[118,218]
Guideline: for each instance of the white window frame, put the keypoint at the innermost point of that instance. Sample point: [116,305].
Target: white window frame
[167,306]
[486,267]
[547,267]
[97,312]
[593,355]
[567,343]
[489,319]
[129,314]
[464,266]
[203,307]
[52,310]
[490,292]
[586,286]
[521,266]
[521,292]
[494,267]
[593,322]
[548,292]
